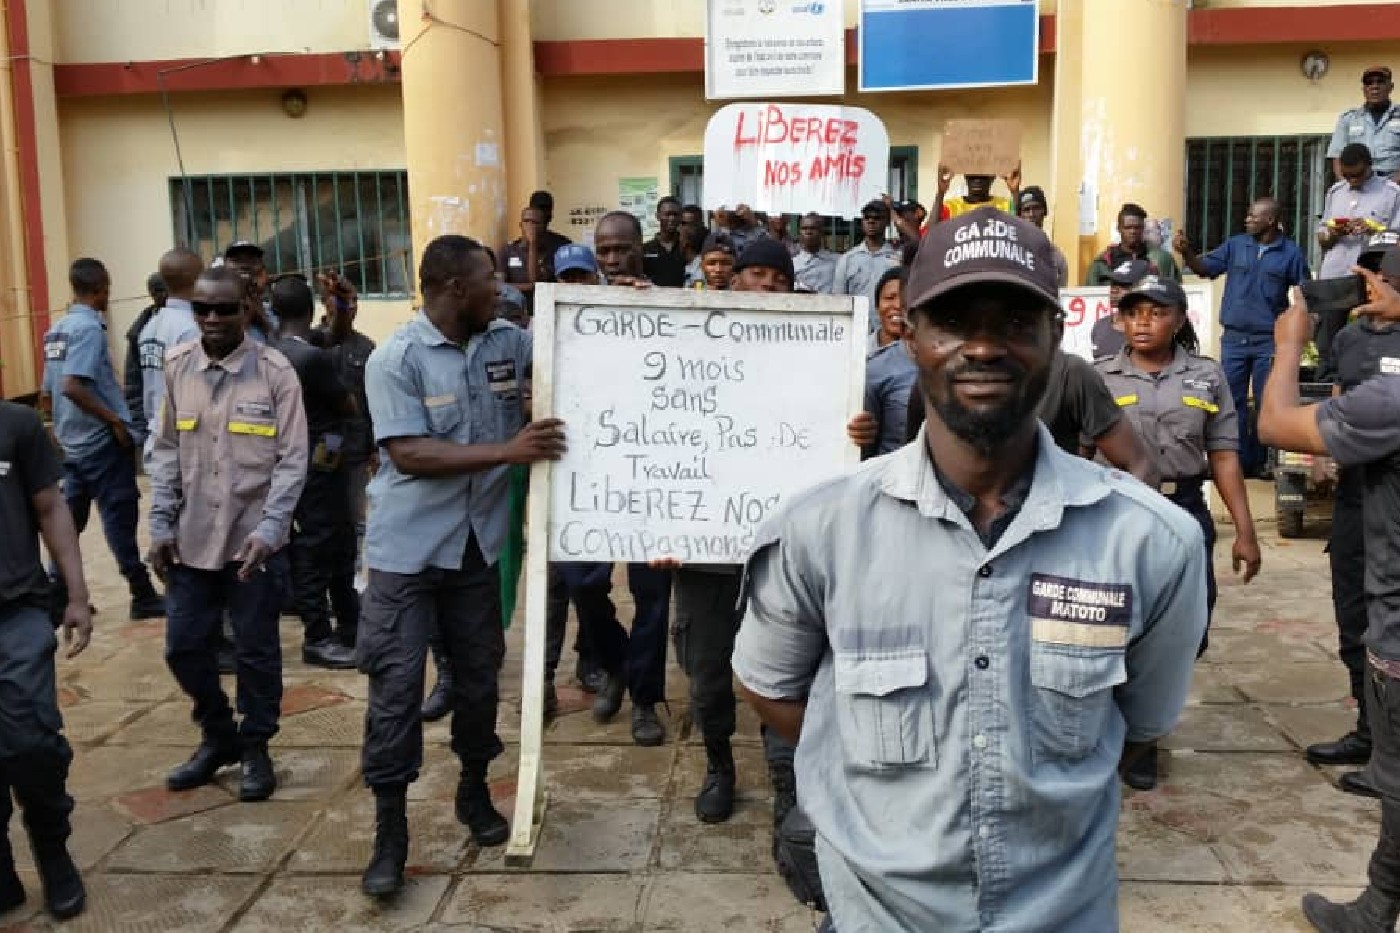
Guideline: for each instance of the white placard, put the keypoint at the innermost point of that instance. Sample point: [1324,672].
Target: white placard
[795,158]
[690,415]
[1084,306]
[774,48]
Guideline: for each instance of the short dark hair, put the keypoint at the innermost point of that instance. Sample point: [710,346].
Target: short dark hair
[542,200]
[491,255]
[616,215]
[88,276]
[808,216]
[1355,154]
[1131,210]
[889,275]
[669,199]
[291,298]
[443,260]
[693,209]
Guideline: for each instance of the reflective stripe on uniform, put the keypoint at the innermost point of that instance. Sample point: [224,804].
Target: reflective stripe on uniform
[248,427]
[1193,402]
[1125,400]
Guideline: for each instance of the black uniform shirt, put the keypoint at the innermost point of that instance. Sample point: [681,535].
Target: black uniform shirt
[350,357]
[515,260]
[1364,349]
[29,464]
[665,267]
[1360,429]
[323,394]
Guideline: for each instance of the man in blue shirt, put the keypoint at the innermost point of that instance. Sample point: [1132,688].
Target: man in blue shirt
[447,397]
[93,426]
[1260,266]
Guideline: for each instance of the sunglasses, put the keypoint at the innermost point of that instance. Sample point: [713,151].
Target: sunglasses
[217,308]
[1374,79]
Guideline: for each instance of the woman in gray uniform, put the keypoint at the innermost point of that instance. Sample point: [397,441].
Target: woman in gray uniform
[1180,405]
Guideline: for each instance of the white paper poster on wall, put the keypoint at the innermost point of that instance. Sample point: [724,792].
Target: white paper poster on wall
[795,158]
[774,48]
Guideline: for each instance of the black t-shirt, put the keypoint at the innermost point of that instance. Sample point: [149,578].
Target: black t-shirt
[665,267]
[515,260]
[29,464]
[350,357]
[1077,405]
[1362,350]
[322,392]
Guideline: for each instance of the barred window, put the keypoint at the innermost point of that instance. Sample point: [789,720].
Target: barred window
[355,223]
[1224,174]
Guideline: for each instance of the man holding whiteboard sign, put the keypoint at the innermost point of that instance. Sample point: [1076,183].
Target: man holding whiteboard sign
[447,394]
[899,617]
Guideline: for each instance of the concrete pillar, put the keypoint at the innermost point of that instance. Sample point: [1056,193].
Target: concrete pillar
[1131,114]
[524,149]
[454,127]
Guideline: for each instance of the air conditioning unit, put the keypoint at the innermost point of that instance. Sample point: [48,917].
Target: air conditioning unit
[383,24]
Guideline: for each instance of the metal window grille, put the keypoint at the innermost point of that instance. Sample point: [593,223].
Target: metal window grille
[355,223]
[1224,174]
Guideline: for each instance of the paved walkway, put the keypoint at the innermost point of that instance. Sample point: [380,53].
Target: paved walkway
[1240,828]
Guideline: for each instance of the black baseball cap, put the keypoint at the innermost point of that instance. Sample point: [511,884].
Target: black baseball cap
[769,253]
[1376,247]
[1390,263]
[1157,289]
[875,207]
[242,247]
[985,245]
[717,242]
[1033,194]
[1129,272]
[901,207]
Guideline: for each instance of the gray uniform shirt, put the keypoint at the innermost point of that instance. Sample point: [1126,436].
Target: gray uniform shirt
[859,270]
[1382,136]
[966,706]
[1377,199]
[167,329]
[816,272]
[420,384]
[1181,413]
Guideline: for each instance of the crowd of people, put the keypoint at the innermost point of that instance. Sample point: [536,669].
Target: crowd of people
[1044,513]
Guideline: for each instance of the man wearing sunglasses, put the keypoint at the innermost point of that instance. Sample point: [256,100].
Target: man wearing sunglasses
[227,467]
[1375,124]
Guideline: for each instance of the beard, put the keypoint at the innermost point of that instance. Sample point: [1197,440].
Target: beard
[986,430]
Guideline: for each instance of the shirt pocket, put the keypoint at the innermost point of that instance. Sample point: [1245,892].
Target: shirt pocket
[883,707]
[253,440]
[1072,692]
[1185,421]
[444,414]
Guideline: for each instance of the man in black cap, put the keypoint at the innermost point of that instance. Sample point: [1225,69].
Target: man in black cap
[246,258]
[1375,124]
[859,269]
[972,634]
[1107,335]
[1032,205]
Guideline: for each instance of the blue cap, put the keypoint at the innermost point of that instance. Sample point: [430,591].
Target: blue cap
[574,256]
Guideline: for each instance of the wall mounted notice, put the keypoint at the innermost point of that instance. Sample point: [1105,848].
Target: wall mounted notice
[1084,306]
[909,45]
[690,415]
[795,158]
[774,48]
[638,197]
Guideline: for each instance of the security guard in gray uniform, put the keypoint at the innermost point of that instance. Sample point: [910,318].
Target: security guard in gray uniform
[34,755]
[1364,348]
[1180,405]
[447,396]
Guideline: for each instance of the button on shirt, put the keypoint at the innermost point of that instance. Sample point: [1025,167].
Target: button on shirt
[230,452]
[77,346]
[1382,136]
[816,272]
[948,794]
[1378,199]
[421,384]
[1181,413]
[171,326]
[1257,279]
[1360,429]
[859,270]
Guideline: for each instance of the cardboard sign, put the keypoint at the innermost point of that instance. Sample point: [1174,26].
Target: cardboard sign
[981,147]
[795,158]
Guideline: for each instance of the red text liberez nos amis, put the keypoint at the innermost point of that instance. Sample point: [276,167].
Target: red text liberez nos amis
[770,126]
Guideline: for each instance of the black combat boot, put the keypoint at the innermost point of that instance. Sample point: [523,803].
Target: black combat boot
[259,779]
[1372,912]
[384,875]
[439,701]
[609,699]
[206,761]
[475,809]
[1142,773]
[715,802]
[11,890]
[43,796]
[146,603]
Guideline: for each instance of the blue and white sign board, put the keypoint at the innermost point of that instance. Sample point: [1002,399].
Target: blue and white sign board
[915,45]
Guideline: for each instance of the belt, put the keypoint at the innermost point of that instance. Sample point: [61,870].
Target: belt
[1181,487]
[1386,667]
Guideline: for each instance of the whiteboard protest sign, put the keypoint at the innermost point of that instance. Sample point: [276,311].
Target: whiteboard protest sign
[795,158]
[1084,306]
[774,48]
[689,416]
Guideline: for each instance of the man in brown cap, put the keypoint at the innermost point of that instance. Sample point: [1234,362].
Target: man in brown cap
[1375,124]
[970,633]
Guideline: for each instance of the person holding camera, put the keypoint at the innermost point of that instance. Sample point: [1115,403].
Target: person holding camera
[1260,266]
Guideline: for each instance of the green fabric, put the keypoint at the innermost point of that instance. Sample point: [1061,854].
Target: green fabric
[512,560]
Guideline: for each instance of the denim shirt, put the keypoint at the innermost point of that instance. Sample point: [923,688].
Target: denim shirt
[77,346]
[420,384]
[1257,280]
[966,707]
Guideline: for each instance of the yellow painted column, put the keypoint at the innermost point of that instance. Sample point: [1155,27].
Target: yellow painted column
[454,127]
[1066,170]
[1132,93]
[524,150]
